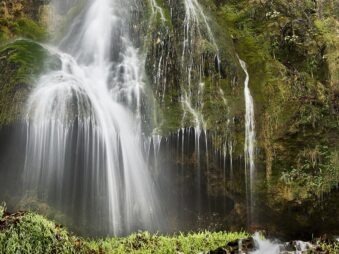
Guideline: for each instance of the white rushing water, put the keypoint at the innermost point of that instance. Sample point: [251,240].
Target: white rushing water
[249,148]
[266,246]
[84,148]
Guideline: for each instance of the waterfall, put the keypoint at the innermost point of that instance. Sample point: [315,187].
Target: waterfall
[249,140]
[85,148]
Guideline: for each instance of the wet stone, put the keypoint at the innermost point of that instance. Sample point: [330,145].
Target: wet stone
[247,244]
[236,247]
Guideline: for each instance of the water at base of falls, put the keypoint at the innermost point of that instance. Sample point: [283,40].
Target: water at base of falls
[265,246]
[84,148]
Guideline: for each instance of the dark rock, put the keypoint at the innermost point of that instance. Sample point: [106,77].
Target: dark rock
[233,244]
[247,244]
[238,246]
[220,250]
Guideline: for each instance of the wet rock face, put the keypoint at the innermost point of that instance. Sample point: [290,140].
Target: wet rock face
[182,58]
[247,244]
[292,247]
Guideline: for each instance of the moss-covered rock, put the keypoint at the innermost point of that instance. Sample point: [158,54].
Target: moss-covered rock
[25,232]
[21,62]
[22,27]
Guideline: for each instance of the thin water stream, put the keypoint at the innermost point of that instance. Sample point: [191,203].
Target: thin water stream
[249,148]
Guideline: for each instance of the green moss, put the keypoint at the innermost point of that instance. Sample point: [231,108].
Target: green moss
[166,12]
[330,247]
[27,28]
[317,173]
[287,49]
[32,233]
[182,243]
[27,232]
[22,27]
[171,116]
[20,64]
[4,34]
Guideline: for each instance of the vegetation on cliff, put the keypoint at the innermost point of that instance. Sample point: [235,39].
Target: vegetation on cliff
[295,88]
[291,49]
[21,60]
[22,19]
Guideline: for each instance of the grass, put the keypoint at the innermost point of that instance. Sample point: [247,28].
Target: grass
[145,242]
[31,233]
[27,232]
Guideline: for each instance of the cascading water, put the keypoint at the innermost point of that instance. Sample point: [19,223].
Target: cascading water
[157,10]
[249,140]
[265,246]
[84,147]
[195,23]
[194,17]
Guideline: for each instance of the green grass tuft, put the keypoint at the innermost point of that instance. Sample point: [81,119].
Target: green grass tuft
[27,232]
